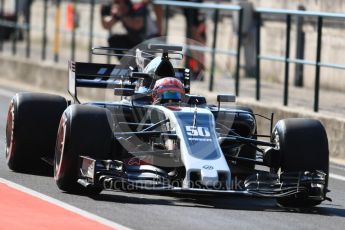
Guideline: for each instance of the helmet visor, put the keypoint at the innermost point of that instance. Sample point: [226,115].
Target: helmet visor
[170,95]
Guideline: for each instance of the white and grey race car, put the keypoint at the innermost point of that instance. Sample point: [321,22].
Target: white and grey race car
[184,147]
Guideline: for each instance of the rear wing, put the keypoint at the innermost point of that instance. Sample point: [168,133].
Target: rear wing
[95,75]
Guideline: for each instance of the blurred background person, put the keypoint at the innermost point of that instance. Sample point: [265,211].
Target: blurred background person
[158,10]
[24,7]
[21,14]
[136,20]
[196,31]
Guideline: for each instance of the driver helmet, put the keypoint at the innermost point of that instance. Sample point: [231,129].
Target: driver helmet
[168,89]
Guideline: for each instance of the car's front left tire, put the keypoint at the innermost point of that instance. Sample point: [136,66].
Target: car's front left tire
[83,130]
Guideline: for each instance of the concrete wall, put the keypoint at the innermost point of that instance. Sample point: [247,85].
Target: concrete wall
[49,76]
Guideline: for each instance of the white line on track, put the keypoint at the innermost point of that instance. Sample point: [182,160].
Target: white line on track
[337,177]
[337,167]
[64,205]
[7,93]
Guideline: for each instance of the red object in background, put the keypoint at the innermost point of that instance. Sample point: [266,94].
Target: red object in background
[197,59]
[193,64]
[69,17]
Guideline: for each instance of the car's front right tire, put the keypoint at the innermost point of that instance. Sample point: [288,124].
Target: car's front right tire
[303,146]
[32,123]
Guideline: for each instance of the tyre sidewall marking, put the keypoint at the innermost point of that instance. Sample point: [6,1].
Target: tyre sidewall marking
[61,145]
[10,144]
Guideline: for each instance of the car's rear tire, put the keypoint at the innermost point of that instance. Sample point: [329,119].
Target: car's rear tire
[84,130]
[32,124]
[303,146]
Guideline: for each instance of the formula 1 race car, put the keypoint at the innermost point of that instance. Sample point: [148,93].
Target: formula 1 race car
[161,138]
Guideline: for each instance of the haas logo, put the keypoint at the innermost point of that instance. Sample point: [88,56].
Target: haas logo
[208,167]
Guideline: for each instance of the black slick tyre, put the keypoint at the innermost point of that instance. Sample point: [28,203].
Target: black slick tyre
[32,124]
[83,130]
[303,146]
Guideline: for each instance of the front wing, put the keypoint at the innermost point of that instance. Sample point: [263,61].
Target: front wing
[112,175]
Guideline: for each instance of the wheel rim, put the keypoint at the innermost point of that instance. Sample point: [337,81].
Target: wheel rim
[10,143]
[59,148]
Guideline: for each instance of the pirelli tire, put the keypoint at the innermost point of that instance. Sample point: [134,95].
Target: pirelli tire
[303,146]
[84,130]
[32,124]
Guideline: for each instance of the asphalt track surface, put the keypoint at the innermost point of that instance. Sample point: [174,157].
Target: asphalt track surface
[147,211]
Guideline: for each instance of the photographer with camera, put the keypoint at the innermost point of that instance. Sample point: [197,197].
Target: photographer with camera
[135,19]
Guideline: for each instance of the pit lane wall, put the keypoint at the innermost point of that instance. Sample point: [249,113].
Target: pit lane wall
[48,76]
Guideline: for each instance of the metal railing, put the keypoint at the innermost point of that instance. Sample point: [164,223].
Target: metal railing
[286,59]
[216,8]
[27,27]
